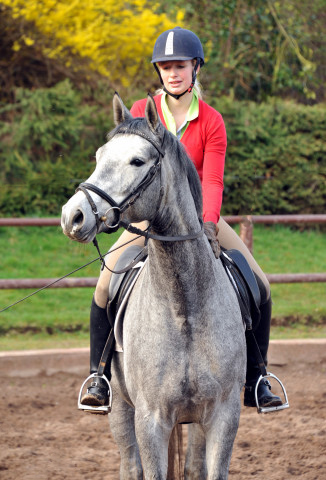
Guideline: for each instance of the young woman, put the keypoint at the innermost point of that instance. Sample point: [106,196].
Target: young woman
[177,57]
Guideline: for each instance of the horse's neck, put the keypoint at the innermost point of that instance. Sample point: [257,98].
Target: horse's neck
[181,270]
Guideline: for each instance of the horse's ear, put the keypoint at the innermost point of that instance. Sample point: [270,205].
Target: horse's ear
[120,111]
[151,114]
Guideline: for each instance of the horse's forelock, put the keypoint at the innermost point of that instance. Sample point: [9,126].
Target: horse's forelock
[137,124]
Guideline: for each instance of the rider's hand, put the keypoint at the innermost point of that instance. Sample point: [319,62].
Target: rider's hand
[211,232]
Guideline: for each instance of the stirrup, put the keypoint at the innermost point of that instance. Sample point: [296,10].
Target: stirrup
[270,409]
[103,409]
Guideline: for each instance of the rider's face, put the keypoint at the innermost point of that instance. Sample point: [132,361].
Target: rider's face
[176,75]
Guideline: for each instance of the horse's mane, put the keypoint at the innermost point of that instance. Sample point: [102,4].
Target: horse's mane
[174,147]
[188,168]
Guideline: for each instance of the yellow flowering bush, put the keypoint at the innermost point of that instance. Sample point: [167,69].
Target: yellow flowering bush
[115,37]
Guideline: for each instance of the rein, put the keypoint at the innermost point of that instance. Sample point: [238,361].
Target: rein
[162,238]
[100,257]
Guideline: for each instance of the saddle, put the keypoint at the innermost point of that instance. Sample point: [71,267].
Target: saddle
[242,278]
[248,286]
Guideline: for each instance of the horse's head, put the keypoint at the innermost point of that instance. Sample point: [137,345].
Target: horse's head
[126,180]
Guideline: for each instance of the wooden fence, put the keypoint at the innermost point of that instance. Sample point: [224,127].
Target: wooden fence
[246,233]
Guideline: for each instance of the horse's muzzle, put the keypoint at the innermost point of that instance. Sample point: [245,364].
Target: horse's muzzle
[76,225]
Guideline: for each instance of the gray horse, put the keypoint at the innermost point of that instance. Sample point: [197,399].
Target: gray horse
[184,351]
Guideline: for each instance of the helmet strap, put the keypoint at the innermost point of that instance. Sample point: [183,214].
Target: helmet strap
[175,96]
[194,75]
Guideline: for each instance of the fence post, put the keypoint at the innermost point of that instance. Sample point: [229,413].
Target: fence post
[246,231]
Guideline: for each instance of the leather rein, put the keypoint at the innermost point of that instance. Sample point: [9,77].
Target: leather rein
[119,208]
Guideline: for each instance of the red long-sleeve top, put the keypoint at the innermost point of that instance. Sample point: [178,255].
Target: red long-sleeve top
[205,142]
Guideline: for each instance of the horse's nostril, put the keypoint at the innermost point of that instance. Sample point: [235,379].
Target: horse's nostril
[78,219]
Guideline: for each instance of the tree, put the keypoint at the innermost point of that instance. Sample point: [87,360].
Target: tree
[260,48]
[114,39]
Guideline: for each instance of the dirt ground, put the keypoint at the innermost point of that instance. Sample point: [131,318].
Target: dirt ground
[44,436]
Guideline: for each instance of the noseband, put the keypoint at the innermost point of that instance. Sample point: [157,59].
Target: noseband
[132,197]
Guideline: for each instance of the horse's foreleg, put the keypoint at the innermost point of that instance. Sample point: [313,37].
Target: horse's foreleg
[153,440]
[195,466]
[220,437]
[123,429]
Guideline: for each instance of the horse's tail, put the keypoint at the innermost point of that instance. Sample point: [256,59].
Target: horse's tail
[176,464]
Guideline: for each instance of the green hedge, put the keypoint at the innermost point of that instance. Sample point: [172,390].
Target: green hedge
[276,157]
[48,139]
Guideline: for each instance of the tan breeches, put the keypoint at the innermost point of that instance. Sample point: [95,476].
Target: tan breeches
[228,239]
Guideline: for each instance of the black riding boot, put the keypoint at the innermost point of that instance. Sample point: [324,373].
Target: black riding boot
[265,397]
[97,393]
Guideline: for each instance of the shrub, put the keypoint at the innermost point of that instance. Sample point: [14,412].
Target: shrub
[112,38]
[276,157]
[48,140]
[275,163]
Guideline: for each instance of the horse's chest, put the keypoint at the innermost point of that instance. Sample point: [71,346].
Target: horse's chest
[173,351]
[170,354]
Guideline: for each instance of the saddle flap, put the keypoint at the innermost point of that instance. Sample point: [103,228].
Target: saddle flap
[126,258]
[245,284]
[121,303]
[247,273]
[121,283]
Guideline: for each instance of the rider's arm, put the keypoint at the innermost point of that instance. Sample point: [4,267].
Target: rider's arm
[213,168]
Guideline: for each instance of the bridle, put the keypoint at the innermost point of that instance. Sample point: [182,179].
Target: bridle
[119,208]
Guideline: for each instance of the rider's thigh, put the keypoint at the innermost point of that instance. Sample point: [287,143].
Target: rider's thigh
[102,287]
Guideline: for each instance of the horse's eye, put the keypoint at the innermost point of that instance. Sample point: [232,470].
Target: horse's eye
[137,162]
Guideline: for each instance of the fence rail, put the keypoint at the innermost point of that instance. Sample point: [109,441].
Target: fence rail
[246,233]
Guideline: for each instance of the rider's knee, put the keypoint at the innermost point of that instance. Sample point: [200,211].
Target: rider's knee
[101,294]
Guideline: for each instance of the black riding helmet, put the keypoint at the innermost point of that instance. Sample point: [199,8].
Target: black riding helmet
[178,44]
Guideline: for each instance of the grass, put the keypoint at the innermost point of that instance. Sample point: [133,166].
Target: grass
[58,318]
[280,249]
[54,316]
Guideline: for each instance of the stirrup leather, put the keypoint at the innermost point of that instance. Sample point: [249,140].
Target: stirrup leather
[103,409]
[271,409]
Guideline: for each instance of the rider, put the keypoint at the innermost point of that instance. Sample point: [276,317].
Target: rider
[177,57]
